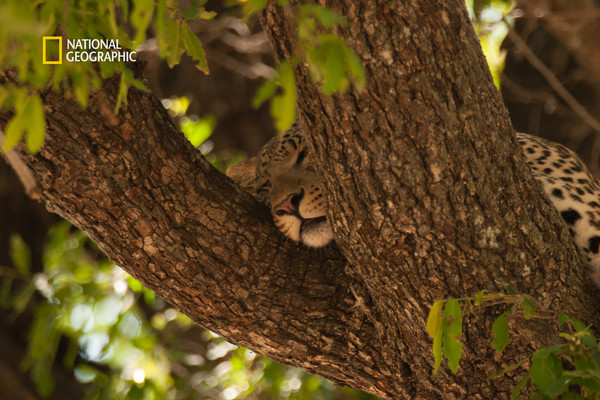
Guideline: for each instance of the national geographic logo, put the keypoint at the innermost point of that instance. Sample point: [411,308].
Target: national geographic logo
[45,40]
[84,50]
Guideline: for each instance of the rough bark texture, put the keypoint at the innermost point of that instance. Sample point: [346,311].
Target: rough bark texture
[429,199]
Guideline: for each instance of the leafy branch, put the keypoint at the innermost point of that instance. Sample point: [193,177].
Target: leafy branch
[24,50]
[331,62]
[569,370]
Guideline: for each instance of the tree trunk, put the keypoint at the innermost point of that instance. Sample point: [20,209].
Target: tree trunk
[428,195]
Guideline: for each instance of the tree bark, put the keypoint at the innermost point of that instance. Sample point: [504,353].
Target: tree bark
[428,195]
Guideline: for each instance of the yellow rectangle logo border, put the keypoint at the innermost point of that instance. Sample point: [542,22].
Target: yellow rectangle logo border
[44,40]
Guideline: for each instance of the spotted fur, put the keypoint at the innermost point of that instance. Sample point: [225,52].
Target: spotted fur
[574,192]
[283,177]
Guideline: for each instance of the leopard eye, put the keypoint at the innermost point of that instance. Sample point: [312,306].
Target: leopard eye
[264,188]
[301,156]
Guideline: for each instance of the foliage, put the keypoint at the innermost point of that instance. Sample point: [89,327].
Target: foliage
[25,22]
[330,59]
[196,129]
[489,20]
[123,342]
[569,370]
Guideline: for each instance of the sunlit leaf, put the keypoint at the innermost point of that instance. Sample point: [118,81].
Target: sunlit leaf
[264,93]
[141,16]
[197,132]
[283,106]
[37,124]
[335,68]
[434,320]
[437,351]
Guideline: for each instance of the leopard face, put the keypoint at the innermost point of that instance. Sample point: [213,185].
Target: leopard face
[283,177]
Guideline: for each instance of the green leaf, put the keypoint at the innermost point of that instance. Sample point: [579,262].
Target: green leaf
[588,339]
[134,284]
[196,11]
[20,254]
[29,116]
[41,351]
[591,384]
[596,358]
[452,351]
[517,390]
[583,371]
[264,93]
[325,16]
[452,318]
[122,95]
[194,48]
[437,351]
[557,387]
[562,318]
[81,86]
[500,331]
[334,69]
[572,396]
[15,129]
[141,16]
[127,80]
[173,45]
[452,328]
[37,124]
[479,297]
[5,289]
[356,68]
[197,132]
[545,369]
[283,107]
[434,320]
[258,4]
[578,325]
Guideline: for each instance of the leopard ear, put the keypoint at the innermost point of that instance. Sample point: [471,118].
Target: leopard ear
[243,174]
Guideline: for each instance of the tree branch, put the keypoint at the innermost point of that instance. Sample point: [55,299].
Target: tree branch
[157,208]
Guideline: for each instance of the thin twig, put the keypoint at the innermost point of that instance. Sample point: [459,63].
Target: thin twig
[551,78]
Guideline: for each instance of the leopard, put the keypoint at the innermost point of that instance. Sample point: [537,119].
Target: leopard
[283,176]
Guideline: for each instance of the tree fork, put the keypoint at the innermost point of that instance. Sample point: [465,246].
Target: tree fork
[158,209]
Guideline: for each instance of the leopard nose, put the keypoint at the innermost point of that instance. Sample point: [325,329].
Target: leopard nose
[290,205]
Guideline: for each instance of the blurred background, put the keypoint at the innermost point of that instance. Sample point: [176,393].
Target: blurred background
[74,326]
